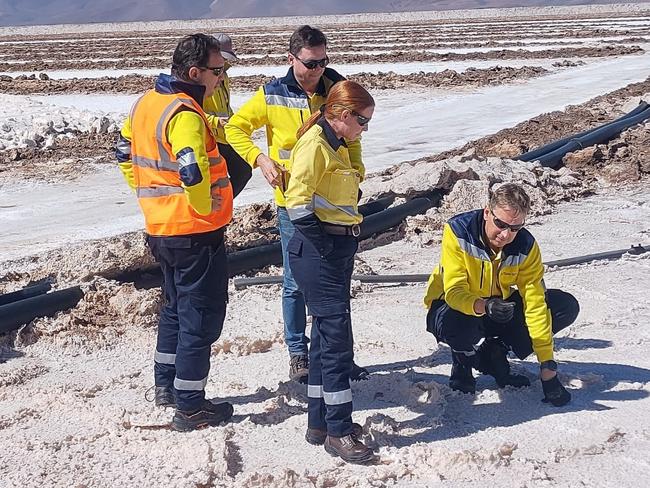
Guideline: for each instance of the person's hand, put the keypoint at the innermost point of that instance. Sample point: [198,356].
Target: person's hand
[555,393]
[217,200]
[271,170]
[499,310]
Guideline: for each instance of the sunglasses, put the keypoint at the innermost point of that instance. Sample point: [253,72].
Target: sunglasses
[503,226]
[216,71]
[314,63]
[361,120]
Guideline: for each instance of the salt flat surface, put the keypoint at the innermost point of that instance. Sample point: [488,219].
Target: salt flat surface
[407,125]
[425,434]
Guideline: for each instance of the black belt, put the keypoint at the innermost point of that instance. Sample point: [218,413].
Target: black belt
[342,230]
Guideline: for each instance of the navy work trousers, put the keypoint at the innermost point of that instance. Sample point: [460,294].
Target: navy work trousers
[462,332]
[325,283]
[195,285]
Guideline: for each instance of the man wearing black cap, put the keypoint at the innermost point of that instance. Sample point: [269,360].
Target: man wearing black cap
[217,108]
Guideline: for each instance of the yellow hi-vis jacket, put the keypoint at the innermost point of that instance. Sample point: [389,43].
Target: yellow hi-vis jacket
[218,107]
[323,181]
[465,274]
[282,106]
[168,154]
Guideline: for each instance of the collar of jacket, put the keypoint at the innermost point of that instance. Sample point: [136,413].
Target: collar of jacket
[167,84]
[290,80]
[330,135]
[469,226]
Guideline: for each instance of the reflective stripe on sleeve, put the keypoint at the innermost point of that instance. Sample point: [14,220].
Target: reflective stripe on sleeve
[473,250]
[186,157]
[514,260]
[286,101]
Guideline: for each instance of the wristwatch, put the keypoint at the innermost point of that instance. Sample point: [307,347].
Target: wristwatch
[550,364]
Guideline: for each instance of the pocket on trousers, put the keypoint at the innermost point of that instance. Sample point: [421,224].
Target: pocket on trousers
[294,246]
[210,315]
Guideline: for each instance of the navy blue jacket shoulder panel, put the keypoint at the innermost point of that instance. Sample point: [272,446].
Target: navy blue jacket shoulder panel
[468,226]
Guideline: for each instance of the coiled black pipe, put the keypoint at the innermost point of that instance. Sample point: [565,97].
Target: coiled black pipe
[541,151]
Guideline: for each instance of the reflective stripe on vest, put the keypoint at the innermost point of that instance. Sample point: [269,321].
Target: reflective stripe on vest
[156,170]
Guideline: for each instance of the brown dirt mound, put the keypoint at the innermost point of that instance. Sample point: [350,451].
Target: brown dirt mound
[552,126]
[162,62]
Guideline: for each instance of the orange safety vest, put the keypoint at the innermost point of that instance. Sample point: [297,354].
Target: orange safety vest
[161,196]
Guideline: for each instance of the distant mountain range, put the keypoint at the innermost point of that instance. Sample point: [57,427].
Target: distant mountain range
[38,12]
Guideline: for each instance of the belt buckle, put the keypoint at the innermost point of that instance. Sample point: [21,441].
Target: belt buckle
[356,230]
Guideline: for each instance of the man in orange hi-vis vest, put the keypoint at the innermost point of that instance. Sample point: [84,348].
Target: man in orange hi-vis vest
[169,156]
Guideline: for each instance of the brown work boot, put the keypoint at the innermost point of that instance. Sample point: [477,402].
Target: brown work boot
[317,437]
[299,368]
[208,414]
[349,449]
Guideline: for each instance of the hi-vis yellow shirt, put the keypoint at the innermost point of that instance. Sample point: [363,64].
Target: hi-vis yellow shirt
[282,107]
[466,273]
[323,181]
[217,107]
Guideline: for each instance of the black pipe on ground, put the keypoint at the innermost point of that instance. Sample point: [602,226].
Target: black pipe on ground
[420,278]
[15,314]
[541,151]
[600,135]
[27,292]
[23,312]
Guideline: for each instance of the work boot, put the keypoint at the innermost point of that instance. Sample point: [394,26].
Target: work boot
[317,437]
[461,378]
[209,414]
[493,361]
[164,396]
[357,373]
[299,368]
[349,449]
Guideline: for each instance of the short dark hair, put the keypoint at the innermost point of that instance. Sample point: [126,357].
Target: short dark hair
[306,36]
[193,50]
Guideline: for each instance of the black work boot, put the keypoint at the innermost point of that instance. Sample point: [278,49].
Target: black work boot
[209,414]
[358,373]
[164,396]
[317,437]
[461,378]
[299,368]
[493,361]
[349,449]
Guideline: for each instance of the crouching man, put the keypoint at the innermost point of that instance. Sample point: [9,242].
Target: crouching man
[474,308]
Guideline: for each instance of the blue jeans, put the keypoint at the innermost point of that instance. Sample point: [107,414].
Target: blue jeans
[293,301]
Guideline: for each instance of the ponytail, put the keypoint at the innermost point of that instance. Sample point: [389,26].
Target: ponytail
[344,95]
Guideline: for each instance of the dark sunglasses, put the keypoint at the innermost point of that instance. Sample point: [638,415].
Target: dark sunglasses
[361,120]
[314,63]
[503,226]
[216,71]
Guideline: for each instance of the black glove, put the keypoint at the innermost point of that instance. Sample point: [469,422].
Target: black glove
[555,393]
[499,310]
